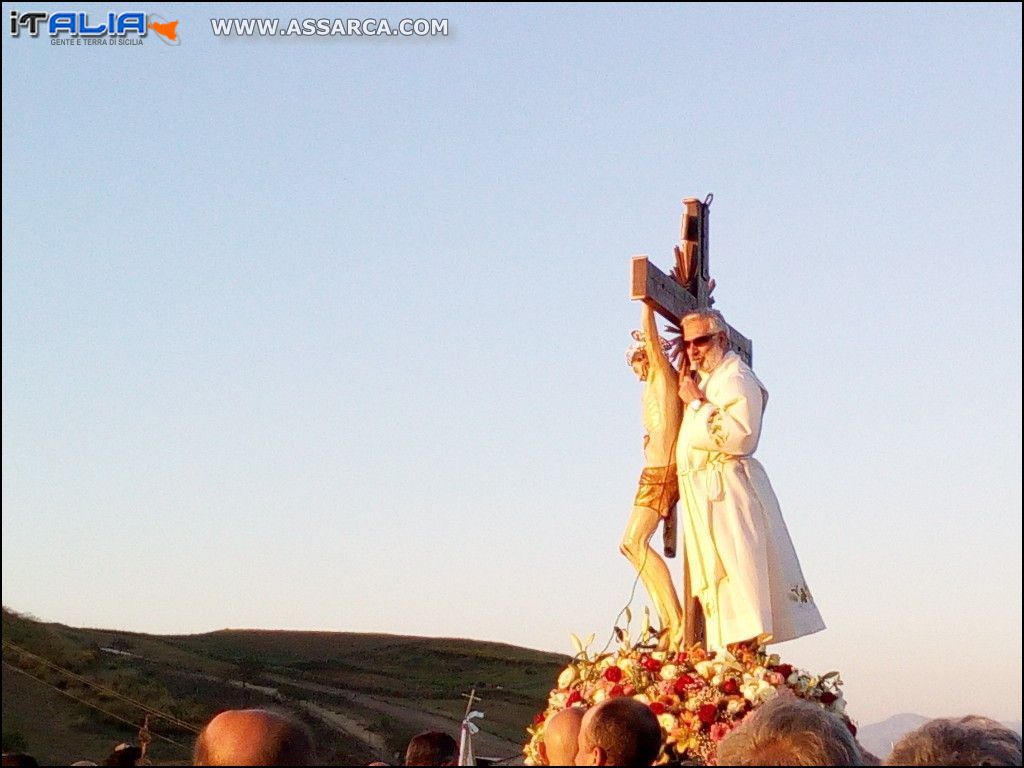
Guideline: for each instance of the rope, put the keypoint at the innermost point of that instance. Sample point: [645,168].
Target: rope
[92,684]
[89,704]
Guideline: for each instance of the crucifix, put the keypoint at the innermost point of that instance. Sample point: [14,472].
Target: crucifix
[687,289]
[673,297]
[472,698]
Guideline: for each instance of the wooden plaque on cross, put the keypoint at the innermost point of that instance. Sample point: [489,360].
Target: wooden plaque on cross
[673,298]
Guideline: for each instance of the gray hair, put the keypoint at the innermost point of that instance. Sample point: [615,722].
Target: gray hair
[790,731]
[971,740]
[713,316]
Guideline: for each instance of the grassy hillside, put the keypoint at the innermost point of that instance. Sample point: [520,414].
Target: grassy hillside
[363,694]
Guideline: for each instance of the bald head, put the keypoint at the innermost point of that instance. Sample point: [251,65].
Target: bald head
[254,737]
[561,736]
[619,731]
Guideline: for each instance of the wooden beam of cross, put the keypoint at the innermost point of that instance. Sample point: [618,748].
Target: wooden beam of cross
[472,698]
[673,298]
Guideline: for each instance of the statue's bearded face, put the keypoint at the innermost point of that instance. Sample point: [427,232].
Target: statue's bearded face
[706,352]
[641,367]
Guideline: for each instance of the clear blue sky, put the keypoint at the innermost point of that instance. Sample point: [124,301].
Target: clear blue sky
[329,333]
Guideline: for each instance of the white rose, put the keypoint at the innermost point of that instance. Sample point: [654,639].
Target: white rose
[734,706]
[668,722]
[642,698]
[567,678]
[669,672]
[704,668]
[600,695]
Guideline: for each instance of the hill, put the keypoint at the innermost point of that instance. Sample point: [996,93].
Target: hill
[364,695]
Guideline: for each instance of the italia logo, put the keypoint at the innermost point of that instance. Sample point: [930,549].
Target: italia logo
[75,24]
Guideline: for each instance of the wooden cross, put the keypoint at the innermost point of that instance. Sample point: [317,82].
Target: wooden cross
[472,697]
[673,298]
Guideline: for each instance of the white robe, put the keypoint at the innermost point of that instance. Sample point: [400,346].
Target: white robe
[739,557]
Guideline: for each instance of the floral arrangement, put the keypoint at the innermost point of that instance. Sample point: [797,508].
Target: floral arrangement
[698,696]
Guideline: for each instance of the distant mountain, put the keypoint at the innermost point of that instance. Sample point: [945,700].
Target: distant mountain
[878,738]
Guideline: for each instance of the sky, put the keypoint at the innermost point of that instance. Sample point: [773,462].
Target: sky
[328,333]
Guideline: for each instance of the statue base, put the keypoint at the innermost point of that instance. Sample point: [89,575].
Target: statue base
[698,696]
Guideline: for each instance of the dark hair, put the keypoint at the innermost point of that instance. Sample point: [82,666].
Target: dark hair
[432,748]
[123,756]
[19,758]
[626,730]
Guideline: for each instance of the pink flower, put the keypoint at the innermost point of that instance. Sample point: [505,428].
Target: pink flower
[719,731]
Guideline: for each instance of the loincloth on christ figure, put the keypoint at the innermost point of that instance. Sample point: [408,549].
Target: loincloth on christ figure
[658,489]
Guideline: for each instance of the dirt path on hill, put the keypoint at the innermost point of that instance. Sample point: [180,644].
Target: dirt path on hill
[483,743]
[336,720]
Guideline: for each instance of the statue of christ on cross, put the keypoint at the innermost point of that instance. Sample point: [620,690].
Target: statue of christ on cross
[742,581]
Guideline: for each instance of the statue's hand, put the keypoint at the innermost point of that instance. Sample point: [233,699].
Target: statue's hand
[688,390]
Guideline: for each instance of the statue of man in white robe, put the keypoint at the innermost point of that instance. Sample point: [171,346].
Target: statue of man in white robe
[740,560]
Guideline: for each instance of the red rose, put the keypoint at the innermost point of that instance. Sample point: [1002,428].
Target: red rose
[681,657]
[851,727]
[731,687]
[657,708]
[613,674]
[617,690]
[784,669]
[538,719]
[574,698]
[650,664]
[683,684]
[707,713]
[827,698]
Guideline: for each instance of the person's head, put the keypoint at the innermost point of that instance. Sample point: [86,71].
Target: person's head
[432,748]
[790,731]
[561,736]
[619,731]
[19,758]
[254,737]
[971,740]
[994,727]
[124,754]
[636,356]
[705,338]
